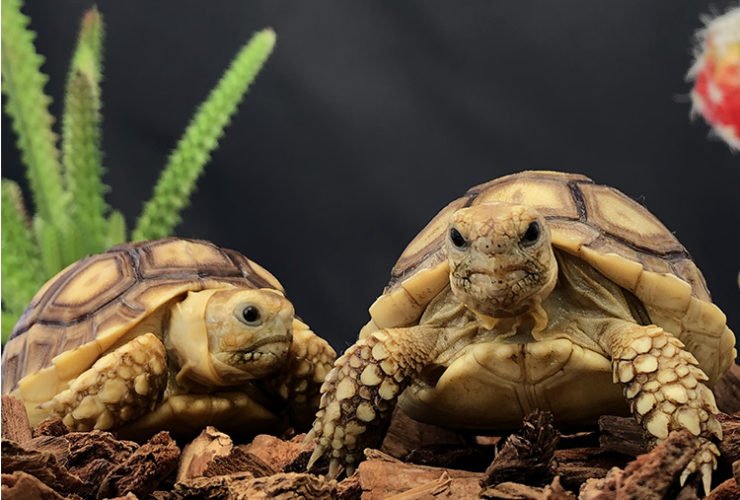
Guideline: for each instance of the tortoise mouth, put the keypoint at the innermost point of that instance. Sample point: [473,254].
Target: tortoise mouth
[498,295]
[254,353]
[272,339]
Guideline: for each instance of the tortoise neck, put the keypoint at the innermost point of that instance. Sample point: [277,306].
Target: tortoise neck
[187,340]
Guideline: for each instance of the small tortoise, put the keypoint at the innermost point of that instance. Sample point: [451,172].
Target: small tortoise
[171,334]
[535,290]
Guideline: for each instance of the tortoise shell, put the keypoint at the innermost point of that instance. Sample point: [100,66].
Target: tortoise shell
[601,225]
[86,308]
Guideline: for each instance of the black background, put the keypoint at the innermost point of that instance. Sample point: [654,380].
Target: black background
[371,116]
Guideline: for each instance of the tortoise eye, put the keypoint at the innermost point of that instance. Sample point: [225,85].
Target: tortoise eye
[531,235]
[251,316]
[457,238]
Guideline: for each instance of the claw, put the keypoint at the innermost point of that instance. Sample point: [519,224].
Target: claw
[310,435]
[686,473]
[315,456]
[706,478]
[334,469]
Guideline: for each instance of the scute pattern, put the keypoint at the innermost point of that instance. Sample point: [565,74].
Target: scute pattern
[100,297]
[576,209]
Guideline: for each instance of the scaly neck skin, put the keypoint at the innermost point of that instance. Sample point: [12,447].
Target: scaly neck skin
[187,341]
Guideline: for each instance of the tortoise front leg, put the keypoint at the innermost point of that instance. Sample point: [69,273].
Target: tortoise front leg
[359,394]
[120,387]
[664,387]
[299,383]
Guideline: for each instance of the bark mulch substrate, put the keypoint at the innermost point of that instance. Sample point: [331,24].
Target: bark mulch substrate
[416,461]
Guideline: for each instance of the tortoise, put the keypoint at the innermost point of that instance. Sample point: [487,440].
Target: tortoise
[169,334]
[537,290]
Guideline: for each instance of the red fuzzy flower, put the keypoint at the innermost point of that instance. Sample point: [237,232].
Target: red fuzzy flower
[716,75]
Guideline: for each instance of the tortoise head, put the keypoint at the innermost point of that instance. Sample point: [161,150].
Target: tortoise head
[501,260]
[226,337]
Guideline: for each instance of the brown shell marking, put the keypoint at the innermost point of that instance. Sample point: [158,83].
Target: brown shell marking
[588,214]
[599,224]
[103,295]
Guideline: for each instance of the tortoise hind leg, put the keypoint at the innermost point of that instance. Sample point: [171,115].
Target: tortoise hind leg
[663,385]
[120,387]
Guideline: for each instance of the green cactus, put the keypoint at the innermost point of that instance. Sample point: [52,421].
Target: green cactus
[69,196]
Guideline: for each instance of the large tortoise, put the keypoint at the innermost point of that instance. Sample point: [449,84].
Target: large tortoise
[171,334]
[536,290]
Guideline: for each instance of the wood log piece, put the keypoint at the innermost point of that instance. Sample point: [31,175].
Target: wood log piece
[727,390]
[15,424]
[728,490]
[653,475]
[381,476]
[22,486]
[44,466]
[517,491]
[622,435]
[144,469]
[526,456]
[51,427]
[736,471]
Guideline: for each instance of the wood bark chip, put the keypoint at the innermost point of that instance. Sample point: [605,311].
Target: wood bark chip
[51,427]
[281,486]
[729,490]
[57,446]
[381,476]
[238,461]
[21,486]
[200,452]
[350,488]
[622,435]
[526,456]
[576,465]
[285,486]
[15,424]
[93,455]
[730,445]
[144,469]
[44,466]
[214,488]
[516,491]
[281,455]
[652,475]
[727,390]
[406,436]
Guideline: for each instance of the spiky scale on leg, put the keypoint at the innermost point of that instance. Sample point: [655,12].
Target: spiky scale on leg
[663,385]
[359,394]
[120,387]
